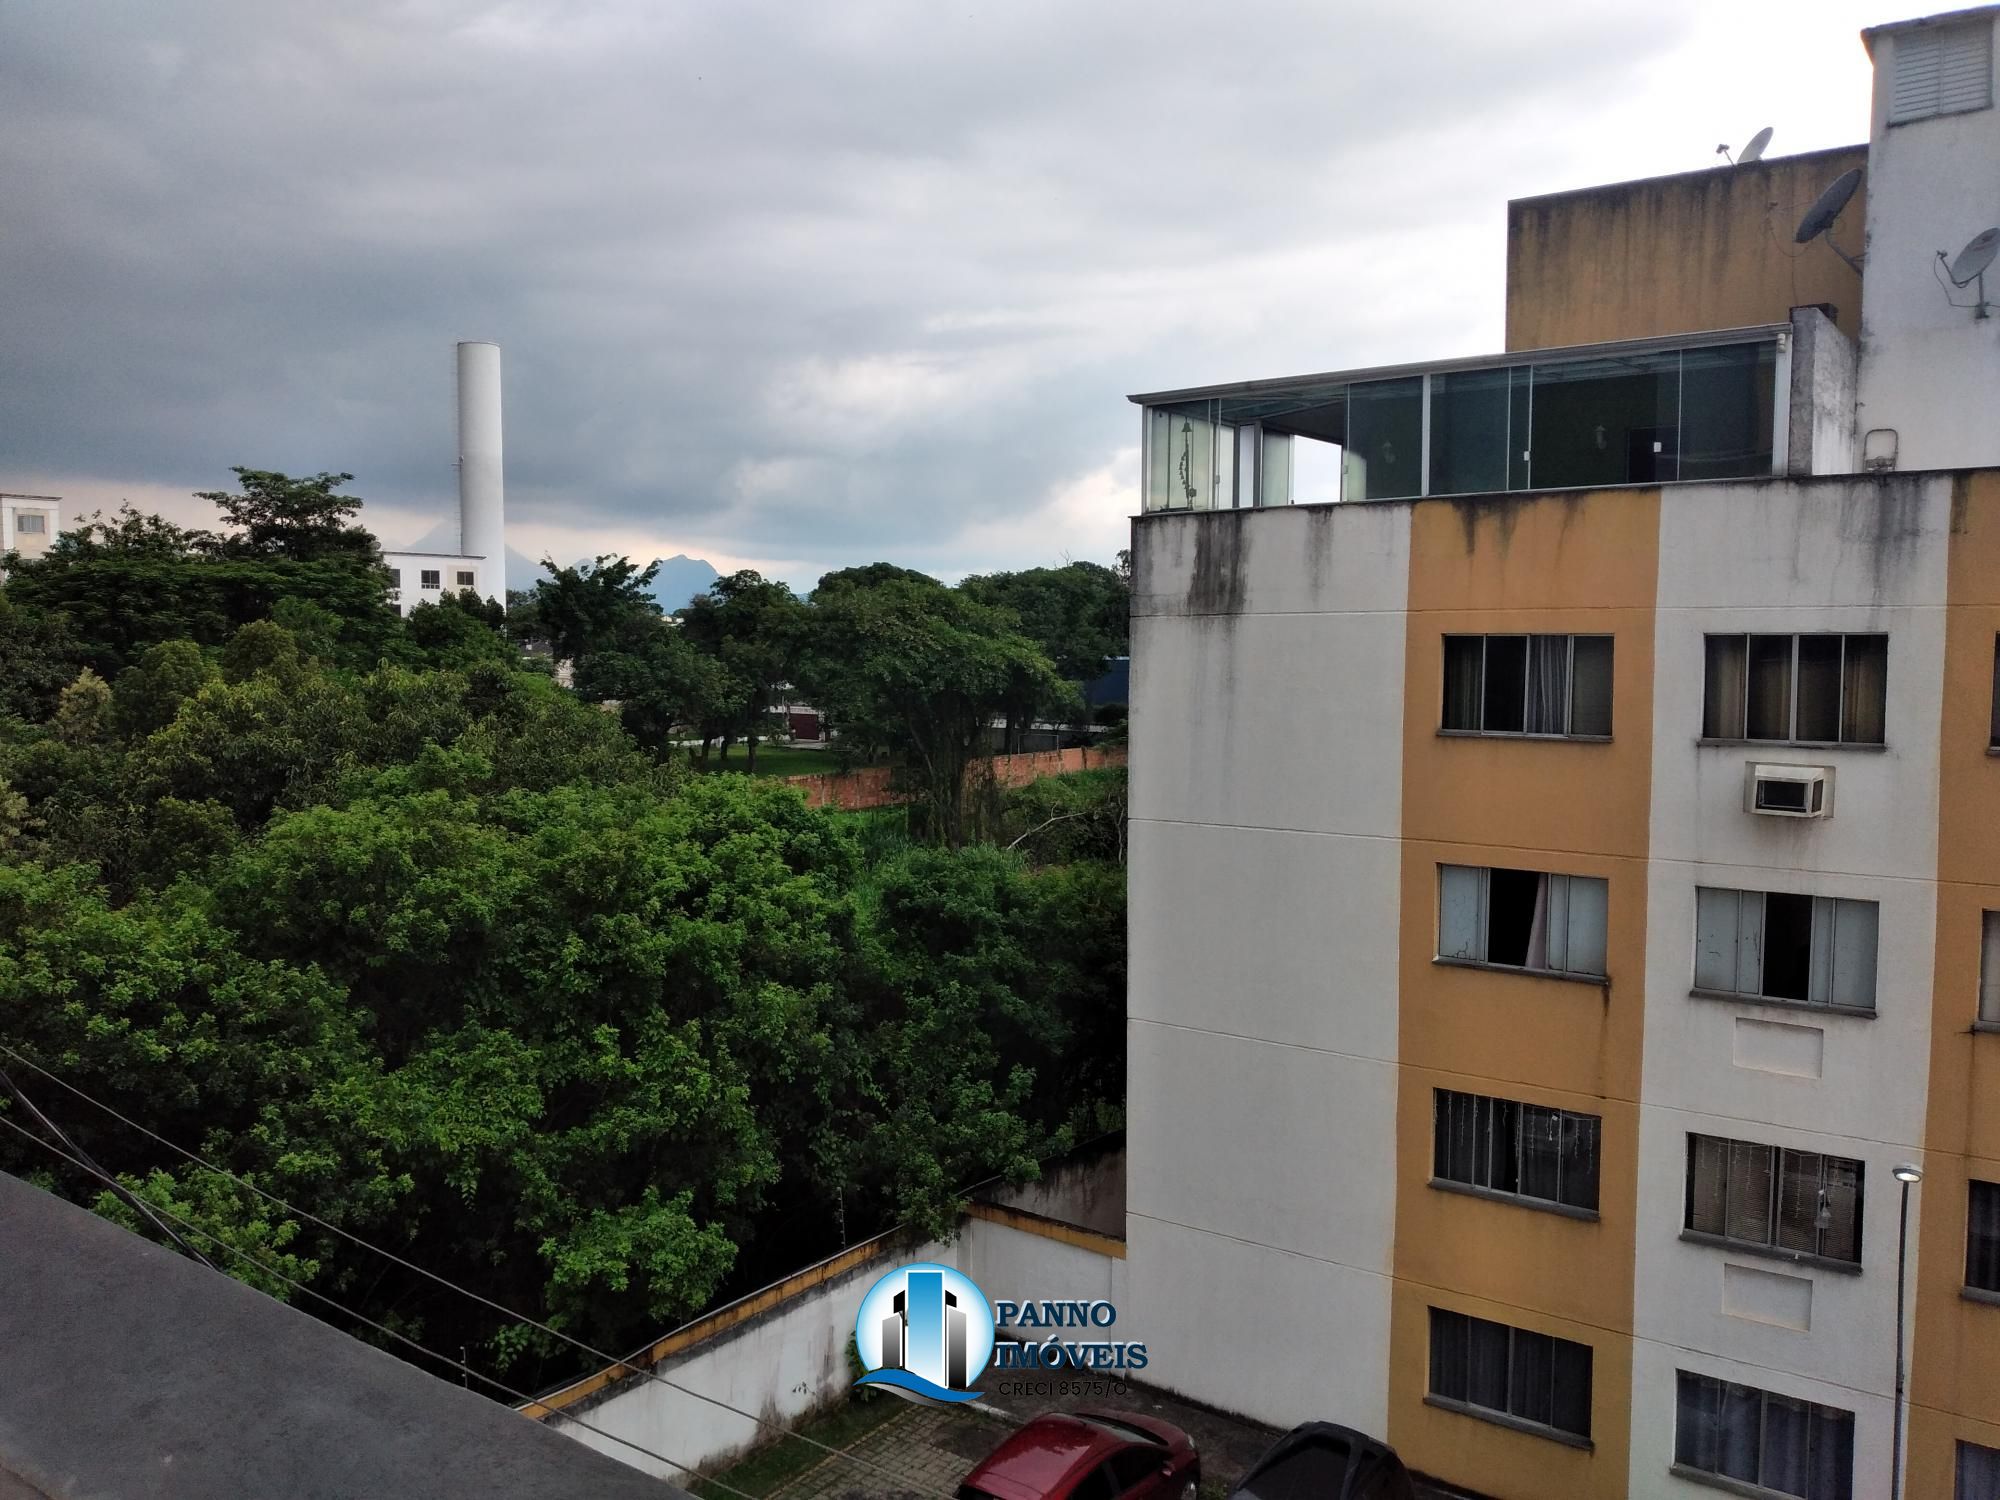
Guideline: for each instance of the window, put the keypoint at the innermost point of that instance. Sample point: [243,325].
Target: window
[1521,919]
[1795,1202]
[1993,730]
[1525,1150]
[1817,950]
[1528,684]
[1706,412]
[1135,1466]
[1778,1443]
[395,578]
[1096,1485]
[1978,1473]
[1805,689]
[464,580]
[1942,70]
[30,523]
[428,577]
[1531,1377]
[1989,969]
[1982,1236]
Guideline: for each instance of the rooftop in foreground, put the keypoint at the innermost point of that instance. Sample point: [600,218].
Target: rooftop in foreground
[131,1371]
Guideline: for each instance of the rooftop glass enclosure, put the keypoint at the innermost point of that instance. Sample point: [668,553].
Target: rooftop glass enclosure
[1648,412]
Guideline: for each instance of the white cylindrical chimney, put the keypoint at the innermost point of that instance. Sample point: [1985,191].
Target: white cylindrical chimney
[482,491]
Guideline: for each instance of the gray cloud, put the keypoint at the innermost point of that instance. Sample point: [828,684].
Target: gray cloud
[807,283]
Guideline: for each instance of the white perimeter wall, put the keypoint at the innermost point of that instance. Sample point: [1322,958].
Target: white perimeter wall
[1829,555]
[794,1358]
[1265,863]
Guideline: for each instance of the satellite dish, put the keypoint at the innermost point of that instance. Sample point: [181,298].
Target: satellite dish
[1971,262]
[1969,265]
[1755,148]
[1826,208]
[1820,217]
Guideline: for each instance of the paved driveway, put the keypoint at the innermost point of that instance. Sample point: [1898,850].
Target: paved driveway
[930,1450]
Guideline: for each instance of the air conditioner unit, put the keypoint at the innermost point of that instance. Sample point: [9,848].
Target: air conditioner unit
[1789,791]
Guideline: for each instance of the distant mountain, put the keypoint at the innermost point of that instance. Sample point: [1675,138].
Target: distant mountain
[680,578]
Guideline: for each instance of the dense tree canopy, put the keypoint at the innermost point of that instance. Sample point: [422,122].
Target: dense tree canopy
[400,929]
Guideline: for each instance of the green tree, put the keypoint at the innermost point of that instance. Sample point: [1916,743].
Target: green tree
[923,670]
[301,520]
[660,682]
[749,627]
[1077,614]
[137,581]
[39,657]
[588,607]
[459,629]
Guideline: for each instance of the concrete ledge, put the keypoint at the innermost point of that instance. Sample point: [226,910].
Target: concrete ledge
[723,1319]
[1048,1229]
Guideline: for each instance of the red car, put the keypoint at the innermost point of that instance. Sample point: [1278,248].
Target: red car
[1089,1455]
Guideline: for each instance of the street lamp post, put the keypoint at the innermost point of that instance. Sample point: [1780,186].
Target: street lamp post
[1908,1175]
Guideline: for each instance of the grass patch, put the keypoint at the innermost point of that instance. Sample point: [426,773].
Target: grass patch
[770,1468]
[777,760]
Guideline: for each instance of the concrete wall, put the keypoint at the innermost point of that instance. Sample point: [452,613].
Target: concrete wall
[1087,1191]
[1266,795]
[1708,249]
[1577,562]
[784,1354]
[1954,1387]
[1824,367]
[1929,370]
[1846,555]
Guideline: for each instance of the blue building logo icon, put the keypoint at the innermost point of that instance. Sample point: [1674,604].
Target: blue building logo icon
[925,1331]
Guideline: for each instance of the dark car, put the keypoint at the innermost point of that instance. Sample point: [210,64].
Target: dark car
[1320,1461]
[1089,1455]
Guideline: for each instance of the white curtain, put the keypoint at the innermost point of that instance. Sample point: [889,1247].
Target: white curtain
[1538,931]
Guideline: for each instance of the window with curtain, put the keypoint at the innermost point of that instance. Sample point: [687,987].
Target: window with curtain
[1768,1197]
[1480,1367]
[1799,689]
[1778,1443]
[1523,919]
[1778,945]
[1982,1236]
[1528,684]
[1525,1151]
[1978,1472]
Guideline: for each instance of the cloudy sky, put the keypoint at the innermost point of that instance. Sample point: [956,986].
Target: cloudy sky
[794,285]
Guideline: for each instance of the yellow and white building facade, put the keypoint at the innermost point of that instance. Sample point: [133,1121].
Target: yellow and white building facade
[1565,851]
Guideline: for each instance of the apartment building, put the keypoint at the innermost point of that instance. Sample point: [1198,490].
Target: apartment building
[1528,1024]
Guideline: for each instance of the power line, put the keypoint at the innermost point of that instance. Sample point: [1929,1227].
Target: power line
[883,1470]
[129,1199]
[277,1275]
